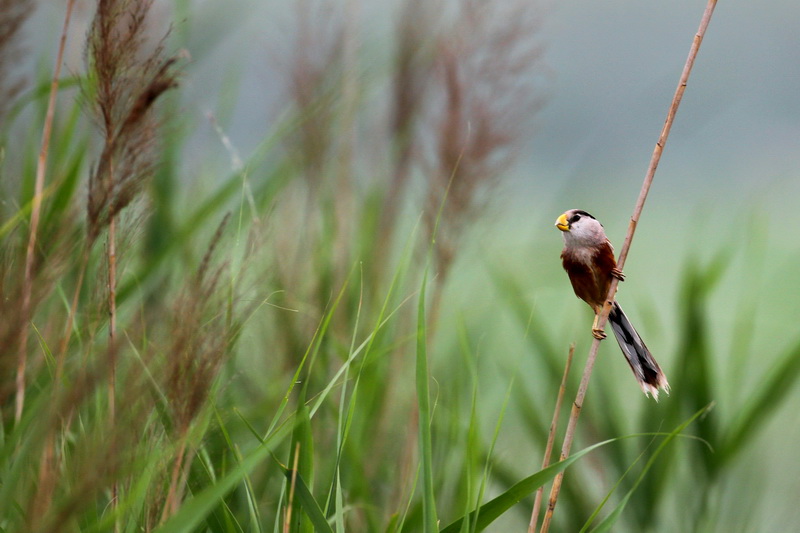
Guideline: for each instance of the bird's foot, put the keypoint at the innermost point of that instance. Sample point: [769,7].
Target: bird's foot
[617,273]
[598,333]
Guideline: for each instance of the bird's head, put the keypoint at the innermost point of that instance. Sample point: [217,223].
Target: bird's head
[580,228]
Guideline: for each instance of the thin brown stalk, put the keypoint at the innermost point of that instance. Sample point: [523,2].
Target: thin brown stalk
[623,254]
[173,499]
[36,207]
[551,437]
[96,456]
[200,338]
[47,465]
[288,521]
[127,83]
[73,309]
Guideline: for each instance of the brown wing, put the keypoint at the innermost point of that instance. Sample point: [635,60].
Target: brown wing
[604,263]
[590,275]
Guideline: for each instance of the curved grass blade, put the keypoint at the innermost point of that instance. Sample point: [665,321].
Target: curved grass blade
[612,518]
[614,488]
[195,510]
[772,392]
[492,510]
[307,502]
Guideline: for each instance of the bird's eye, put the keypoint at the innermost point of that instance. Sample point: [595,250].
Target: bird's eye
[574,219]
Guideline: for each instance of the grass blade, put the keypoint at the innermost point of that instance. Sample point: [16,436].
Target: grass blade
[195,510]
[430,522]
[307,502]
[755,413]
[492,510]
[490,453]
[302,460]
[612,518]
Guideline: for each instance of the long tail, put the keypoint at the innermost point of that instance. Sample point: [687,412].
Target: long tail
[642,362]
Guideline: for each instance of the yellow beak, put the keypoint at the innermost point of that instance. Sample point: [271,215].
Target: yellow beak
[561,223]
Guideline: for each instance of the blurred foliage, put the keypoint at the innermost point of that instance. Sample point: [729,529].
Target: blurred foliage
[356,352]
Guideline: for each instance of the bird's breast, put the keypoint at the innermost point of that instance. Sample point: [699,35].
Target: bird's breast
[589,271]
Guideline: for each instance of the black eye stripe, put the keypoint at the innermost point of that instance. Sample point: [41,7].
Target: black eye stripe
[577,214]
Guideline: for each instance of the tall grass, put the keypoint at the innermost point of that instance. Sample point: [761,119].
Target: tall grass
[282,359]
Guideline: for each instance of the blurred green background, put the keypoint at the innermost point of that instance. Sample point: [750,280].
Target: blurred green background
[712,278]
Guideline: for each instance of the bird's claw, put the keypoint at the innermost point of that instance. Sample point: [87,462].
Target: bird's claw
[617,273]
[598,333]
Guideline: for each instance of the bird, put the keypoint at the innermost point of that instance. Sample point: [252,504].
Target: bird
[588,258]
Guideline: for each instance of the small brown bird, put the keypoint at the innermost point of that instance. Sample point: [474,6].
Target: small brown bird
[588,258]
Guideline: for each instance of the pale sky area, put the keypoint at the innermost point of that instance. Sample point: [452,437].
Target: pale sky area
[611,69]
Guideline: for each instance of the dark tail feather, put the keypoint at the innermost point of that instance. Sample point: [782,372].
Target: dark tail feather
[643,364]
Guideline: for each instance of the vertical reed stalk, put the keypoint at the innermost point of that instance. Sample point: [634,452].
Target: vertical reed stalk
[623,254]
[288,517]
[36,207]
[173,498]
[551,437]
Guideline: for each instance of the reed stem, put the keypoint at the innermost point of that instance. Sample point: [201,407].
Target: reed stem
[623,254]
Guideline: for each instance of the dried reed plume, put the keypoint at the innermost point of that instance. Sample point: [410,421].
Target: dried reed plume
[485,95]
[313,71]
[98,458]
[200,342]
[312,75]
[413,67]
[127,82]
[486,69]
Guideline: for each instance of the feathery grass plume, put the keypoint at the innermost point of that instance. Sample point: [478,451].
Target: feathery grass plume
[48,265]
[312,259]
[314,90]
[13,15]
[413,66]
[42,497]
[200,343]
[486,93]
[126,83]
[95,456]
[314,69]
